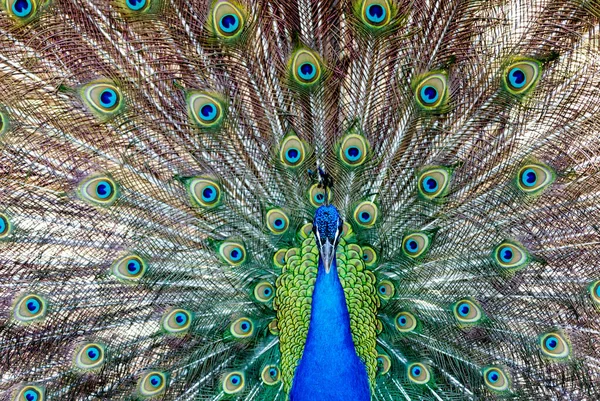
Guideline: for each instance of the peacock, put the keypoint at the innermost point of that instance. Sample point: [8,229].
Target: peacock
[304,200]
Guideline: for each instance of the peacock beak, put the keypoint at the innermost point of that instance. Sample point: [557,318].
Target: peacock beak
[327,252]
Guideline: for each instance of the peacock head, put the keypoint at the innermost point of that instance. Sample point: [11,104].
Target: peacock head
[327,226]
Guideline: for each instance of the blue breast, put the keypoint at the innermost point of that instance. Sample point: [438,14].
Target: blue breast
[329,369]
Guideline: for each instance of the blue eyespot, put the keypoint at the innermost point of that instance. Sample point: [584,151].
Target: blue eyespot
[136,5]
[155,380]
[376,13]
[506,254]
[364,217]
[181,318]
[209,193]
[31,395]
[93,353]
[529,177]
[273,372]
[108,98]
[551,343]
[267,292]
[3,225]
[382,289]
[229,23]
[22,8]
[245,326]
[292,155]
[33,306]
[208,112]
[103,189]
[278,223]
[517,78]
[493,376]
[353,153]
[133,266]
[412,246]
[307,71]
[429,94]
[598,290]
[236,254]
[430,184]
[402,321]
[416,371]
[319,198]
[464,309]
[235,379]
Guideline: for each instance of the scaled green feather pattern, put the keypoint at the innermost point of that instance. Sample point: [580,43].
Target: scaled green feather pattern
[359,286]
[295,287]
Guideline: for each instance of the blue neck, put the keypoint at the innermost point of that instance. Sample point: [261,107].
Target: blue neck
[329,369]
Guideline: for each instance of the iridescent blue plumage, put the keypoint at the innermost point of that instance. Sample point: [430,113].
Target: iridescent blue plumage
[330,368]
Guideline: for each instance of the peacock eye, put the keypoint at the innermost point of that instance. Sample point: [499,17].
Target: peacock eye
[30,393]
[152,383]
[495,379]
[305,68]
[29,308]
[233,253]
[434,182]
[204,192]
[279,258]
[270,375]
[176,321]
[418,373]
[534,178]
[90,356]
[207,111]
[277,221]
[353,150]
[554,345]
[228,20]
[292,152]
[386,289]
[365,214]
[99,190]
[264,292]
[405,322]
[432,91]
[384,364]
[4,123]
[595,292]
[138,5]
[130,268]
[317,195]
[375,13]
[233,382]
[307,71]
[521,77]
[415,245]
[5,226]
[22,8]
[242,328]
[510,255]
[467,312]
[103,99]
[369,256]
[23,11]
[273,327]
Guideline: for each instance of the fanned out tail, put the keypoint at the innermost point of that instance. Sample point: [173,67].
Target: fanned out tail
[156,200]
